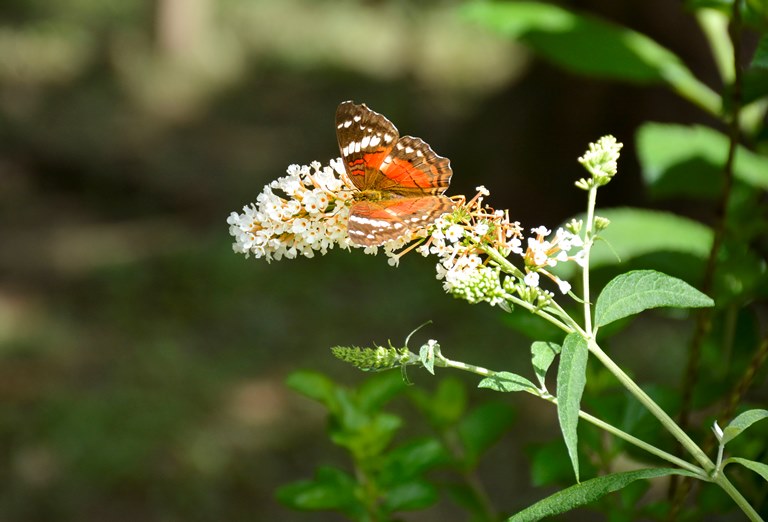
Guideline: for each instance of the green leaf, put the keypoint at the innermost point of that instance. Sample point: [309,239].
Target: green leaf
[427,357]
[571,378]
[411,460]
[758,467]
[688,160]
[579,43]
[415,494]
[741,423]
[760,58]
[330,489]
[379,389]
[636,232]
[369,437]
[449,402]
[588,491]
[446,406]
[543,353]
[639,290]
[506,382]
[313,385]
[483,427]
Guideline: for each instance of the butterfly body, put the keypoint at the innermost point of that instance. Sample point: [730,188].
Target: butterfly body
[400,180]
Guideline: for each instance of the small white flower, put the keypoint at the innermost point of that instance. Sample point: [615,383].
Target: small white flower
[531,279]
[481,229]
[454,233]
[564,286]
[482,190]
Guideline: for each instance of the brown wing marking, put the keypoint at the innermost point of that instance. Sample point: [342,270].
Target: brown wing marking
[365,139]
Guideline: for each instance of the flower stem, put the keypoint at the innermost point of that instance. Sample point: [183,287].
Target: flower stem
[585,272]
[485,372]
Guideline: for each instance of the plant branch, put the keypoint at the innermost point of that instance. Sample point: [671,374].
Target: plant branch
[485,372]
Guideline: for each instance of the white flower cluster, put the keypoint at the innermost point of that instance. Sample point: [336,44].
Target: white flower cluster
[309,217]
[312,218]
[543,254]
[465,241]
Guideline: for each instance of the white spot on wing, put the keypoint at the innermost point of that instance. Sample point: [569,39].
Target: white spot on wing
[358,117]
[347,124]
[365,141]
[375,141]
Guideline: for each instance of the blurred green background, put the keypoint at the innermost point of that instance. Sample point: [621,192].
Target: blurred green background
[141,361]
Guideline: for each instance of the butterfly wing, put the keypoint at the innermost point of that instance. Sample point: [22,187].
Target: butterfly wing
[413,168]
[372,223]
[365,139]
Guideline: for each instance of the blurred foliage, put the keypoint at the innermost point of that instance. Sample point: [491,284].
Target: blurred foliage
[141,362]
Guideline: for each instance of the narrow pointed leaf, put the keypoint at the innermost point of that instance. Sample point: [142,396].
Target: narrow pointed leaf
[543,353]
[588,491]
[758,467]
[571,378]
[639,290]
[506,382]
[741,423]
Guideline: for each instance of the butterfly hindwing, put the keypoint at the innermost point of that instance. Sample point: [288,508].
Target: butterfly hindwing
[375,222]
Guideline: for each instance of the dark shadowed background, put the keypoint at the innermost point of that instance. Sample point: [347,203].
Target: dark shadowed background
[141,361]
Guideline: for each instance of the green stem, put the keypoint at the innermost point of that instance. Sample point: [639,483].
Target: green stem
[592,198]
[638,442]
[677,432]
[653,408]
[485,372]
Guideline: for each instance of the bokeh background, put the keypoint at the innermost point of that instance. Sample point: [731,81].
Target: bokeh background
[141,361]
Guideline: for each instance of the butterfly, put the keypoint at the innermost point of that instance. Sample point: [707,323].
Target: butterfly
[400,180]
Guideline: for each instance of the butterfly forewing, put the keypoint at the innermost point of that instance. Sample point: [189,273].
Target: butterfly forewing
[372,223]
[365,139]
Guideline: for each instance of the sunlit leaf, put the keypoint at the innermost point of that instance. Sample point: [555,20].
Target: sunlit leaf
[571,378]
[689,160]
[580,43]
[741,423]
[543,353]
[639,290]
[506,382]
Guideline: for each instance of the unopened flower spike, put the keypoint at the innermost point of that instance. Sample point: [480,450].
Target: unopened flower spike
[601,162]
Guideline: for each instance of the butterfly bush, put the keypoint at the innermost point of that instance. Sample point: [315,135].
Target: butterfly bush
[482,256]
